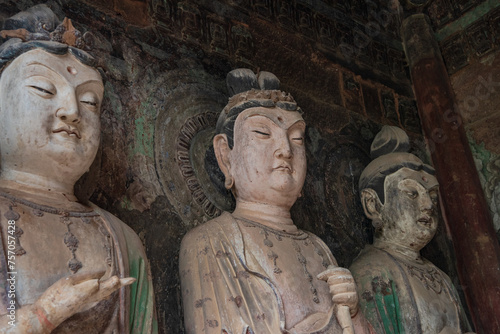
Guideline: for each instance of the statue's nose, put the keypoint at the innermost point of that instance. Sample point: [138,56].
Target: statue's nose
[68,111]
[284,149]
[426,202]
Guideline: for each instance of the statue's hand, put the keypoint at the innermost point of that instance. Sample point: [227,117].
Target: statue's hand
[342,287]
[73,294]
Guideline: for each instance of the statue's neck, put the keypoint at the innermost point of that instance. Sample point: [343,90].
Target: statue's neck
[39,183]
[272,216]
[398,250]
[40,195]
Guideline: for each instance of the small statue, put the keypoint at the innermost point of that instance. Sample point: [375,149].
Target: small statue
[253,270]
[64,265]
[402,292]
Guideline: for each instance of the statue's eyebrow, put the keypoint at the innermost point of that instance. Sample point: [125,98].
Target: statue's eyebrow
[274,121]
[36,63]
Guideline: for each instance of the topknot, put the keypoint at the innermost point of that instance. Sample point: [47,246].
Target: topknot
[390,139]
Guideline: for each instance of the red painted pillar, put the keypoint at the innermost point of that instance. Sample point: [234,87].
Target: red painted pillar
[465,208]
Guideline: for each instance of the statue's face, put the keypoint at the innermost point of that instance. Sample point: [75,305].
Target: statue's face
[49,113]
[409,214]
[268,160]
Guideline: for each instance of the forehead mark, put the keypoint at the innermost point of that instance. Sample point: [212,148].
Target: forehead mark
[72,70]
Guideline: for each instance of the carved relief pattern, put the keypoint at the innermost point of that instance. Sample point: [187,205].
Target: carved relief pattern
[430,278]
[454,54]
[230,38]
[409,115]
[72,243]
[440,12]
[191,127]
[218,34]
[479,37]
[224,35]
[303,261]
[285,14]
[325,29]
[191,21]
[305,22]
[242,43]
[263,8]
[163,16]
[477,40]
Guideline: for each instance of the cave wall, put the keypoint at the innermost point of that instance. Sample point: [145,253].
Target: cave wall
[165,63]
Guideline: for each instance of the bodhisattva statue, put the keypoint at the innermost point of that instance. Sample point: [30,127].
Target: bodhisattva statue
[400,291]
[63,265]
[253,270]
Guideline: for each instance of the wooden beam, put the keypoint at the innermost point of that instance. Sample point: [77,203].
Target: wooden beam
[465,208]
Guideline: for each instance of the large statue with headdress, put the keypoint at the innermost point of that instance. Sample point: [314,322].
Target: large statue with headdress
[64,266]
[253,270]
[400,291]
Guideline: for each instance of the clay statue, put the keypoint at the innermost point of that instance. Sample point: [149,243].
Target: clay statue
[253,270]
[400,291]
[65,267]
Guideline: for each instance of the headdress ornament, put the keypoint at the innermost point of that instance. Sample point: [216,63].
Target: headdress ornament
[249,90]
[39,27]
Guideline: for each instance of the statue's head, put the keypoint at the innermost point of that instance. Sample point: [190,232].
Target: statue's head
[399,193]
[50,97]
[259,143]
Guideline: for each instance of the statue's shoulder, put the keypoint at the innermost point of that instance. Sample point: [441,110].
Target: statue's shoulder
[372,260]
[223,226]
[125,234]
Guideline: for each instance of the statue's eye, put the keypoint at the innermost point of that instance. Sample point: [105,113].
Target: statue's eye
[262,134]
[90,103]
[412,194]
[42,90]
[90,100]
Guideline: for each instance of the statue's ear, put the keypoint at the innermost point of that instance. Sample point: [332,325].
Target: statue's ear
[371,203]
[222,150]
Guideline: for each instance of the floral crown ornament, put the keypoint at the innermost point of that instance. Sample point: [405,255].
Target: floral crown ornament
[39,27]
[249,90]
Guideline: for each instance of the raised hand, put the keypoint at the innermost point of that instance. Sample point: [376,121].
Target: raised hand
[74,294]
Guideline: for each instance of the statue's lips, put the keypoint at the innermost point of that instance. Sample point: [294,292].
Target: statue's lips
[68,131]
[284,168]
[426,221]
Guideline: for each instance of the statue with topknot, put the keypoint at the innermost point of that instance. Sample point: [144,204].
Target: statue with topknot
[253,270]
[400,291]
[65,266]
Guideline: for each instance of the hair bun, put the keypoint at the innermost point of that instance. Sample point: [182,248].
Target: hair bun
[390,139]
[241,80]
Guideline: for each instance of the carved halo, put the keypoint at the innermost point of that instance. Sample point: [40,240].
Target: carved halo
[184,131]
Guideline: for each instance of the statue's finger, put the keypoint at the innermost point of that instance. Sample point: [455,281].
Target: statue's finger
[81,277]
[86,288]
[111,284]
[327,273]
[348,298]
[127,281]
[342,288]
[340,279]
